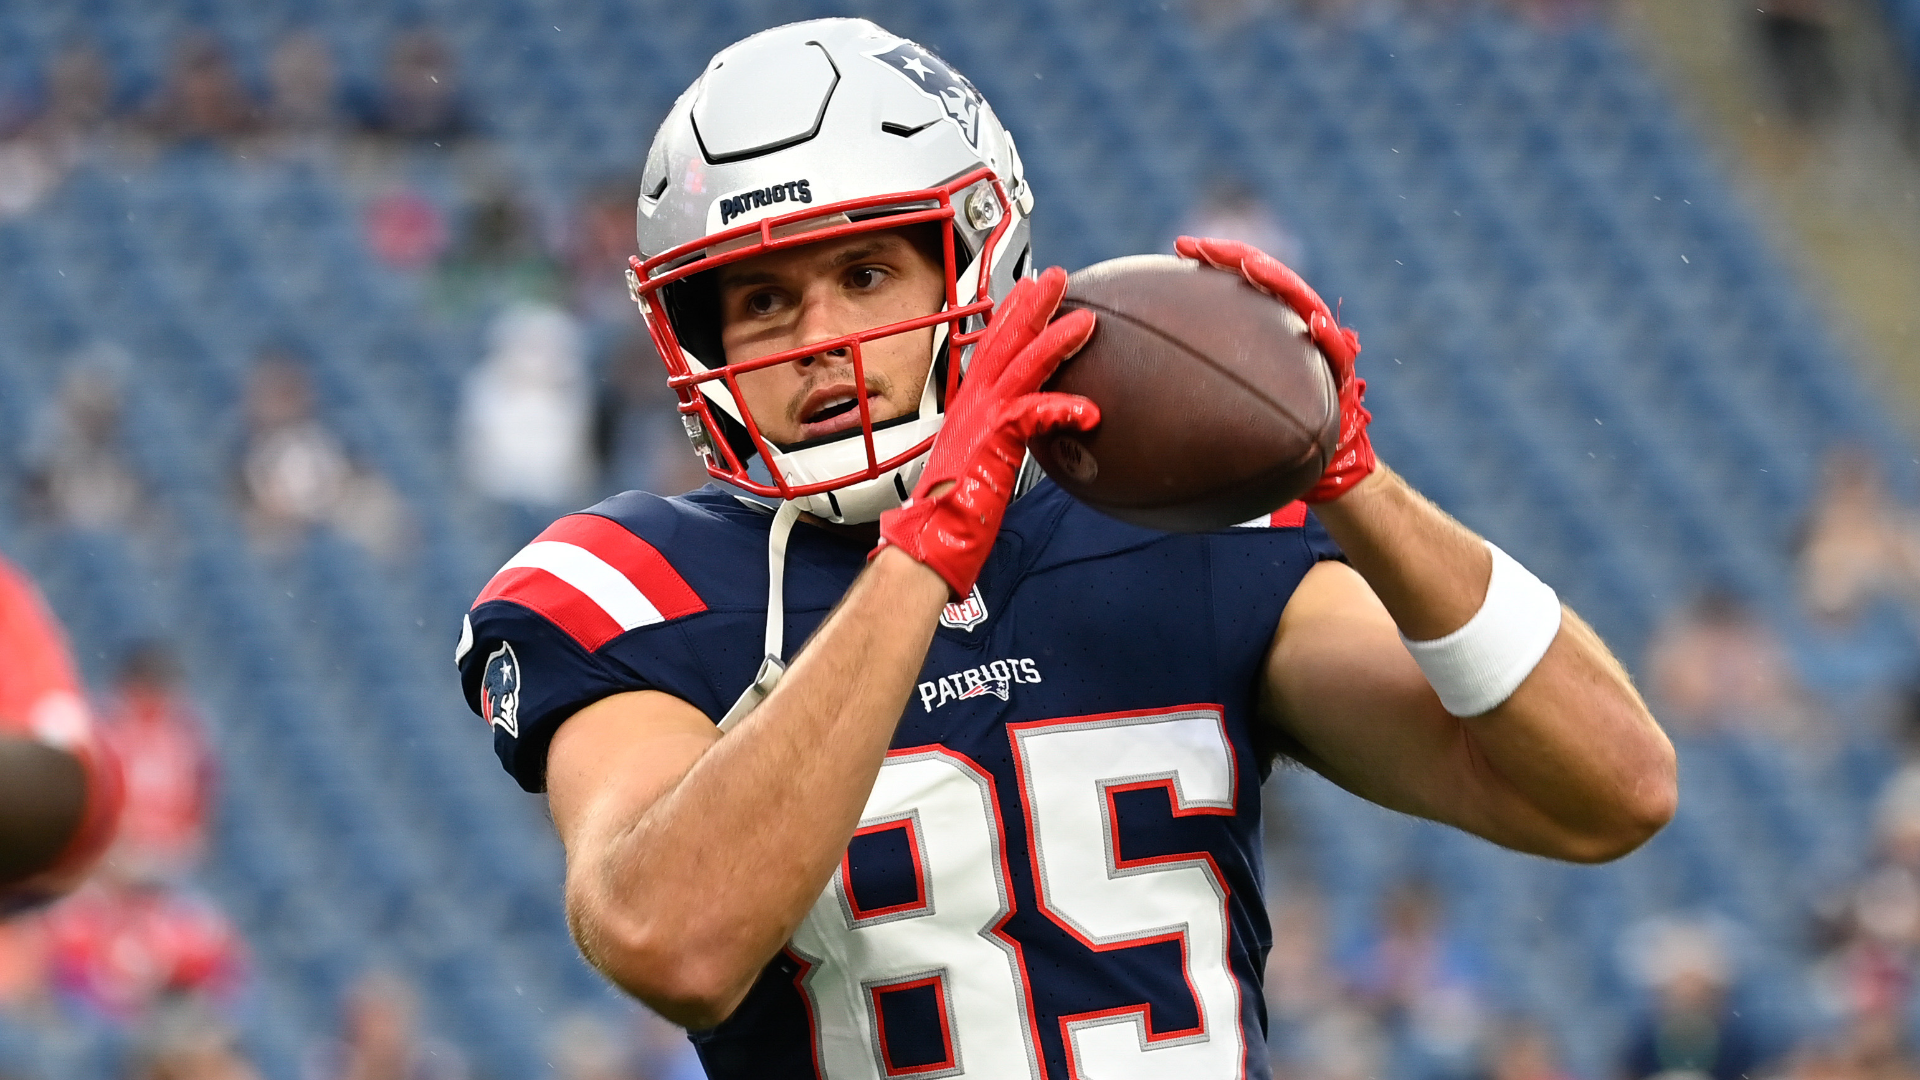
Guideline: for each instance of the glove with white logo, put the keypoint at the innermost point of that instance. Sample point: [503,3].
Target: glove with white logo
[950,522]
[1353,455]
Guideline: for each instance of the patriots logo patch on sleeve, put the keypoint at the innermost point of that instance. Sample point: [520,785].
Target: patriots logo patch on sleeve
[500,690]
[938,81]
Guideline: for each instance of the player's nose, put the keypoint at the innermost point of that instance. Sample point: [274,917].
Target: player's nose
[822,319]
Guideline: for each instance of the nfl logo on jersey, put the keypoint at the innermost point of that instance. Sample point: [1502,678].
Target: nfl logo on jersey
[500,690]
[966,614]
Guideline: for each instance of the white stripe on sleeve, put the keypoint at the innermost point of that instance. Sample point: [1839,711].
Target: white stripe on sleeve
[595,579]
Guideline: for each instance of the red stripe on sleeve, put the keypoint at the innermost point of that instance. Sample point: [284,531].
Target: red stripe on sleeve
[566,607]
[638,560]
[1291,516]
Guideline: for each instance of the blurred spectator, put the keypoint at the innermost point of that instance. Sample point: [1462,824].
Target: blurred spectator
[638,439]
[77,111]
[1858,545]
[121,946]
[1422,983]
[678,470]
[1876,1050]
[23,966]
[28,170]
[80,93]
[293,468]
[295,473]
[202,97]
[1796,48]
[303,100]
[1330,9]
[585,1046]
[77,471]
[1690,1029]
[1869,933]
[597,256]
[1224,16]
[1299,981]
[499,258]
[380,1037]
[1554,14]
[405,230]
[419,96]
[169,768]
[1344,1042]
[1714,665]
[1817,1059]
[1233,211]
[525,416]
[79,97]
[188,1042]
[1523,1050]
[1304,994]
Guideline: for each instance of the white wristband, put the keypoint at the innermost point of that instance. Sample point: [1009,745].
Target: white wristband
[1481,664]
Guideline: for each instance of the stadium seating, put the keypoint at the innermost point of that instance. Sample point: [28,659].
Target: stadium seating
[1575,340]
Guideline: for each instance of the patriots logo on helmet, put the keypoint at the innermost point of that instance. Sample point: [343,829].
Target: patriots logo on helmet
[500,690]
[935,79]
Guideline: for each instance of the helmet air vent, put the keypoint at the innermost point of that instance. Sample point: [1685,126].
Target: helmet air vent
[766,95]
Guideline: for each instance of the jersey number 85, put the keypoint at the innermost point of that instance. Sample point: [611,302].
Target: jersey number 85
[950,939]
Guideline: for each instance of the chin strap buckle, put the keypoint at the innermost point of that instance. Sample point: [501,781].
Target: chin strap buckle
[771,669]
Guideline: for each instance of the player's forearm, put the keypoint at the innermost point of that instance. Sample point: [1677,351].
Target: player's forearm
[699,893]
[1574,744]
[1577,744]
[1428,569]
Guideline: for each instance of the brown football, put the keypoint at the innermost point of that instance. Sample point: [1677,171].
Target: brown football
[1215,406]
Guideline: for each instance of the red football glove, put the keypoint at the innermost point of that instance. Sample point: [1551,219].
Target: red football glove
[989,421]
[1353,454]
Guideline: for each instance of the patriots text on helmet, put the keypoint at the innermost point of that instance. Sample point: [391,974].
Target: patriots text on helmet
[791,191]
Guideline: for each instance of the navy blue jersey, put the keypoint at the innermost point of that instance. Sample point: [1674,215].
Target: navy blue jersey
[1058,872]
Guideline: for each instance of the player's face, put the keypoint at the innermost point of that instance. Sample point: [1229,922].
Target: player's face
[785,299]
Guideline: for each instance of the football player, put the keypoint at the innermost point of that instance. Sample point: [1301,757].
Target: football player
[999,815]
[60,785]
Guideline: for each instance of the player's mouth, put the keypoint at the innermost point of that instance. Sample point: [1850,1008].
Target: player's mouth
[831,410]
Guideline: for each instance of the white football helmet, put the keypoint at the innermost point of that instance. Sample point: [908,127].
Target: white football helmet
[807,132]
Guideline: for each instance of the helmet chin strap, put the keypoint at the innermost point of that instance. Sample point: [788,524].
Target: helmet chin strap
[772,667]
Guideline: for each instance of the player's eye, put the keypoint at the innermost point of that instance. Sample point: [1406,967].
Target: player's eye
[761,303]
[866,277]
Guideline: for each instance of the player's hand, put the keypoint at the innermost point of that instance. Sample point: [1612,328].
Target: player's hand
[1353,454]
[950,522]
